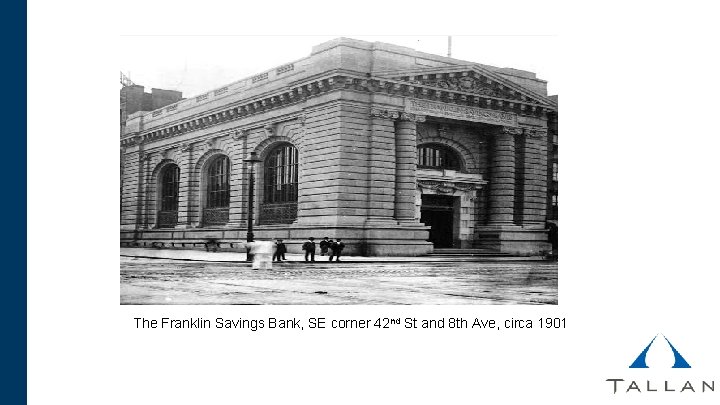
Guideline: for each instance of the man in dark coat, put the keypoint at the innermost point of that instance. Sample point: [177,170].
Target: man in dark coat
[309,248]
[337,248]
[280,250]
[325,244]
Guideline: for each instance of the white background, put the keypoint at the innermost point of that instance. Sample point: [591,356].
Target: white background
[638,87]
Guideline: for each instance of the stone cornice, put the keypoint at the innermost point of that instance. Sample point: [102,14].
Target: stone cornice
[300,92]
[271,101]
[458,77]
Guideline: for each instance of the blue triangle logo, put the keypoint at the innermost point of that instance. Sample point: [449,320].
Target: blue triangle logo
[680,361]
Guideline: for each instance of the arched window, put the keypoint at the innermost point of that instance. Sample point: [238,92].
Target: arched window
[280,191]
[436,156]
[169,191]
[217,195]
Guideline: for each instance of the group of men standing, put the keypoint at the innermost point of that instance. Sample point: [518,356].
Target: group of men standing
[334,248]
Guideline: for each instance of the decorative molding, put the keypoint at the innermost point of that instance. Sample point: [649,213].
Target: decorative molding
[261,76]
[405,116]
[468,82]
[284,69]
[144,156]
[238,134]
[447,187]
[387,114]
[212,143]
[535,132]
[448,104]
[185,147]
[460,112]
[167,152]
[510,131]
[270,129]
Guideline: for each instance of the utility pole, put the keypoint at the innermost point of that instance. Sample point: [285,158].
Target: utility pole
[251,204]
[449,46]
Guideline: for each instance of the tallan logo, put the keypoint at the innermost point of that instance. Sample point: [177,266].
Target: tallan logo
[679,359]
[668,385]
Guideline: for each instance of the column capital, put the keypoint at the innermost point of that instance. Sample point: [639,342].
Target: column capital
[405,116]
[238,134]
[535,132]
[509,131]
[186,147]
[387,114]
[144,156]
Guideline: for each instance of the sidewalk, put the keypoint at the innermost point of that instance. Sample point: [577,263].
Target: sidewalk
[231,257]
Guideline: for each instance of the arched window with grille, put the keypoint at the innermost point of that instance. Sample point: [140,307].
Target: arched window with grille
[280,186]
[169,192]
[217,192]
[436,156]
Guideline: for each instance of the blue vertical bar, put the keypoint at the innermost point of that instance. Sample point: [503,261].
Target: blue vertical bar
[13,169]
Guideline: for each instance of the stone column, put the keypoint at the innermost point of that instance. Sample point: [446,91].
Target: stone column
[534,209]
[185,164]
[405,166]
[502,177]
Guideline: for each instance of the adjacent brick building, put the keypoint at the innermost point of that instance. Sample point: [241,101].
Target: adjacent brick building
[395,151]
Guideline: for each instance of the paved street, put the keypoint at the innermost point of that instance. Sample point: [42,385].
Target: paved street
[165,281]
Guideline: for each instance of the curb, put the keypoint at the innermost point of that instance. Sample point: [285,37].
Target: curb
[302,262]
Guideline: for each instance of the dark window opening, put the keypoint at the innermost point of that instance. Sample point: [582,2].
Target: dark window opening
[169,193]
[218,183]
[281,175]
[438,157]
[280,187]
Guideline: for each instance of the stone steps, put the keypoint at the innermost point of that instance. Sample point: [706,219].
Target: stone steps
[450,252]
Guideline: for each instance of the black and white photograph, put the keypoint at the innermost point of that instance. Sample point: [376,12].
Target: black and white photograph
[338,170]
[357,203]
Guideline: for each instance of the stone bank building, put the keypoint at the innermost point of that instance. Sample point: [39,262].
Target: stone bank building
[395,151]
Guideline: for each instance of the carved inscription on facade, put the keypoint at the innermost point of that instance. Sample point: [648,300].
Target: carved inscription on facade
[460,112]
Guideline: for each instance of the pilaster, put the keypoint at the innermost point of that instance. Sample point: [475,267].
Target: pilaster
[129,201]
[185,164]
[381,166]
[406,166]
[239,181]
[535,178]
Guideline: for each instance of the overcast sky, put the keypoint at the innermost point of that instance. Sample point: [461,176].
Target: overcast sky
[196,64]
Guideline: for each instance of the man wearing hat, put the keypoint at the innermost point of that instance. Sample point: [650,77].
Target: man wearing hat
[280,250]
[309,248]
